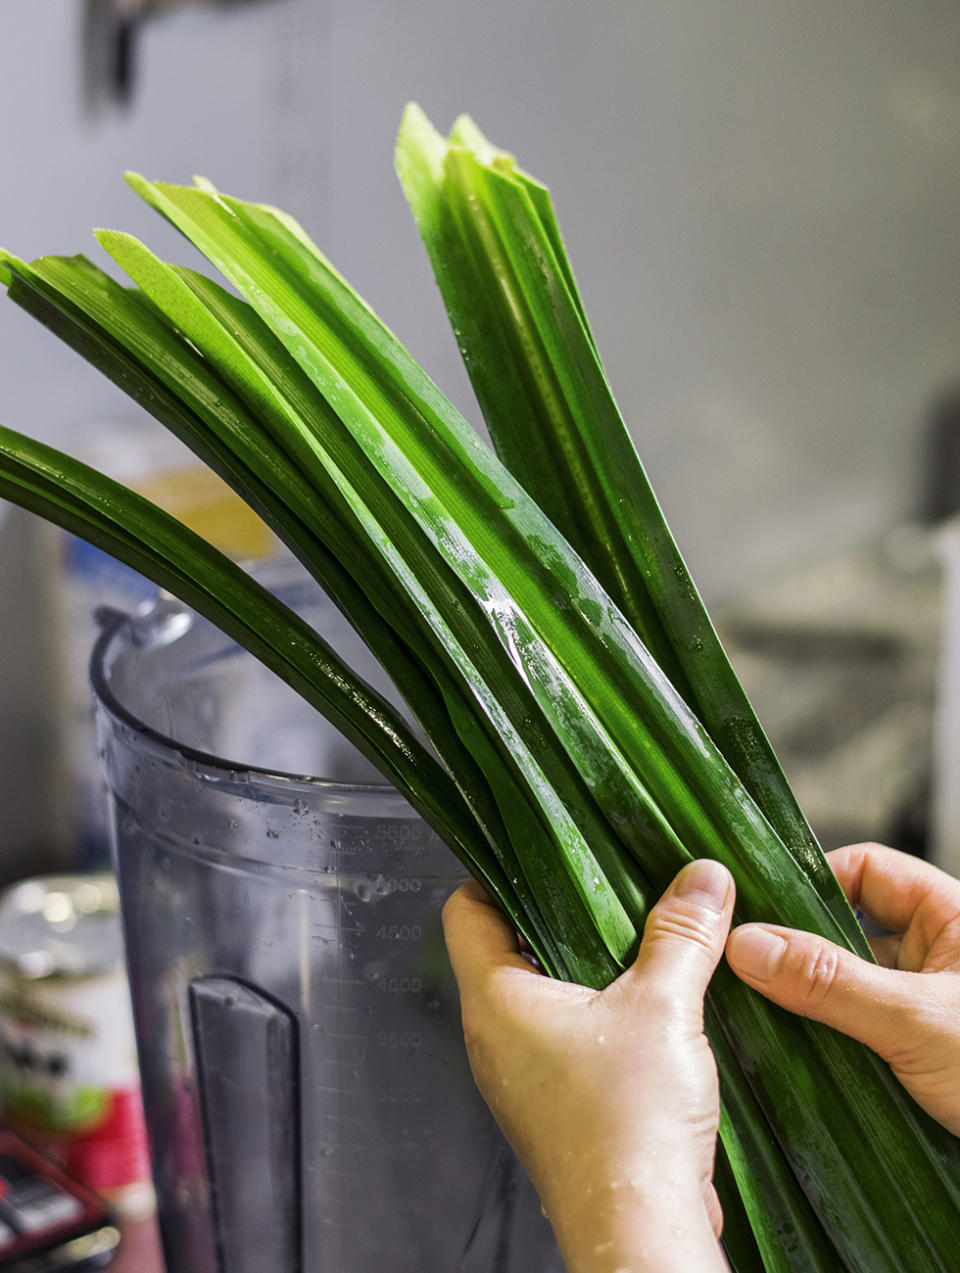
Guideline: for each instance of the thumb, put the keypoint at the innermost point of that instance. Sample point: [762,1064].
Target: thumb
[684,935]
[811,976]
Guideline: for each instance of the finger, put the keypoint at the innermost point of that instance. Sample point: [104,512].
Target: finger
[811,976]
[714,1210]
[684,935]
[891,887]
[886,951]
[479,937]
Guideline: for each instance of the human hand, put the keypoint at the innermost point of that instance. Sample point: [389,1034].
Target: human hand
[609,1097]
[907,1009]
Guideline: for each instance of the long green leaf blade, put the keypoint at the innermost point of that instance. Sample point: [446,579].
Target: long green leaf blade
[142,535]
[74,299]
[504,275]
[416,477]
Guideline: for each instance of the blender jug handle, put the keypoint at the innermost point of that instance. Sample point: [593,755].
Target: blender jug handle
[248,1075]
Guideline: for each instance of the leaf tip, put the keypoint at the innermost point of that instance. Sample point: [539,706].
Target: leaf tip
[139,184]
[419,151]
[10,267]
[465,133]
[417,130]
[465,130]
[414,116]
[124,248]
[110,238]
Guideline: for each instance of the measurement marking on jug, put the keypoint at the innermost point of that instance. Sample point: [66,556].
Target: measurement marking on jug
[399,985]
[406,1039]
[400,932]
[400,832]
[385,885]
[400,1096]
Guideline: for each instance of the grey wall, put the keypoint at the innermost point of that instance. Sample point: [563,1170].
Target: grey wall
[761,201]
[760,198]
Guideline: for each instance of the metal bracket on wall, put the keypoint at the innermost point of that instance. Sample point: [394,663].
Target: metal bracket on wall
[109,39]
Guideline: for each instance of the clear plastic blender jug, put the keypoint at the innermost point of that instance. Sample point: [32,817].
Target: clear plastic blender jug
[307,1094]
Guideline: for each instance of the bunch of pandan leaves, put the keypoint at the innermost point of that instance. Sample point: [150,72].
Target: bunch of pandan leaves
[586,734]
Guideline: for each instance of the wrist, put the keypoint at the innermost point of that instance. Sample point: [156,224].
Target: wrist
[619,1227]
[621,1239]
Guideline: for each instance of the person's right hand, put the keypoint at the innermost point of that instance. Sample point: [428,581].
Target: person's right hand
[908,1008]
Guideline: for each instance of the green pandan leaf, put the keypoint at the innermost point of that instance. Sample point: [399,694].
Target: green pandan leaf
[586,735]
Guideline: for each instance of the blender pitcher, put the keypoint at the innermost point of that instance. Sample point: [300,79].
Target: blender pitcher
[307,1094]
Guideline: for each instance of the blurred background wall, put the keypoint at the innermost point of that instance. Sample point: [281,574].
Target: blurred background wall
[760,199]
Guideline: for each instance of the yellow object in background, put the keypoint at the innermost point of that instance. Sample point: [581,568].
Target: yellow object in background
[201,500]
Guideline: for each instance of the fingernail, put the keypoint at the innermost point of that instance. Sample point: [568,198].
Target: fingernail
[704,883]
[755,952]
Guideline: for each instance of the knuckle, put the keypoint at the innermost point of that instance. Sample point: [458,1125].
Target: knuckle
[820,969]
[862,849]
[477,1022]
[472,1024]
[454,913]
[489,1011]
[944,954]
[689,923]
[454,902]
[449,911]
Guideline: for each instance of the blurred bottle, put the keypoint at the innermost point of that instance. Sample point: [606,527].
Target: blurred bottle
[69,1081]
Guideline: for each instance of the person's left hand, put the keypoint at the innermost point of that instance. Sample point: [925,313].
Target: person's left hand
[610,1098]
